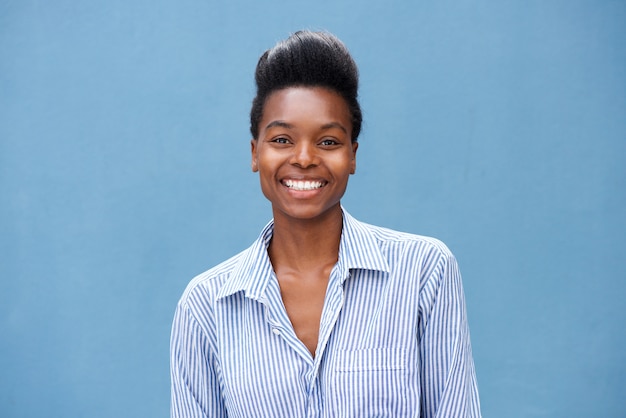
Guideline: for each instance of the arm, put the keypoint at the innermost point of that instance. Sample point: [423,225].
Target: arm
[195,387]
[447,373]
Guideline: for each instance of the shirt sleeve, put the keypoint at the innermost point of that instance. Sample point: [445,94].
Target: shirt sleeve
[449,388]
[195,388]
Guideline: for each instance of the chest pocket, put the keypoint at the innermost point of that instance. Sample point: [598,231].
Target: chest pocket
[370,383]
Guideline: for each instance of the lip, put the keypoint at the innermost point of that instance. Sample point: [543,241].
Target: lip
[303,184]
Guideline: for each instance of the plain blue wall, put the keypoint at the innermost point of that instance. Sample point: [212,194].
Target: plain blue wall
[497,126]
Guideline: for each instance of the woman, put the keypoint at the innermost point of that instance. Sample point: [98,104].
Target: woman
[323,316]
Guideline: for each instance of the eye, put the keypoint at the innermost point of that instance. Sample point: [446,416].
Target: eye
[329,142]
[280,140]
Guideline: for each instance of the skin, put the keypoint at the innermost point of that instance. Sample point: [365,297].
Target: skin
[305,135]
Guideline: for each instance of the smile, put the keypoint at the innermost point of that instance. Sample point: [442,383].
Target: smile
[303,185]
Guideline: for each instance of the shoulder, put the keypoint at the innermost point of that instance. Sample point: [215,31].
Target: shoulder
[407,242]
[204,287]
[423,259]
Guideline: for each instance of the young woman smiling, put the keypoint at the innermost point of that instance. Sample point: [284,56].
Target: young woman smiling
[323,316]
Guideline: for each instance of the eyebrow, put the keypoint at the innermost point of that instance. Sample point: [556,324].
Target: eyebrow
[280,124]
[283,124]
[334,125]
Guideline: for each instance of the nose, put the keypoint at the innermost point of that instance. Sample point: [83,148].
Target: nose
[305,155]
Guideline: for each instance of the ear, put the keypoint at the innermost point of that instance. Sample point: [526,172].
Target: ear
[255,164]
[355,146]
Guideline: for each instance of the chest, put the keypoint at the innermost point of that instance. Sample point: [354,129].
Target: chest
[303,298]
[265,362]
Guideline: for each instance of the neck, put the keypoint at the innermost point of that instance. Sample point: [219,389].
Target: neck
[306,245]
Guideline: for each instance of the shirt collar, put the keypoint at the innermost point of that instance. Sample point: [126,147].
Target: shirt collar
[358,249]
[254,269]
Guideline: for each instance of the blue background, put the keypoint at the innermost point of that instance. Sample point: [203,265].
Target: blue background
[496,126]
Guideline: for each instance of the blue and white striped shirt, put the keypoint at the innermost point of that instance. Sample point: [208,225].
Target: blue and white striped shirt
[393,339]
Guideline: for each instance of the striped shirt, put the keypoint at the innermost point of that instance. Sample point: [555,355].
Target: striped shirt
[393,338]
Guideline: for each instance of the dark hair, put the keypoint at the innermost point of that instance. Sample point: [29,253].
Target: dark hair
[310,59]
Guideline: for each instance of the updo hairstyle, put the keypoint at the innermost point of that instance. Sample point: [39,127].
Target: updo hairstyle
[307,59]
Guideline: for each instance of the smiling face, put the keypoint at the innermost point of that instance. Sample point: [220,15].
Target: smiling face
[304,153]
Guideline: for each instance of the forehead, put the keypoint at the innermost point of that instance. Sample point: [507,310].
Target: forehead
[306,104]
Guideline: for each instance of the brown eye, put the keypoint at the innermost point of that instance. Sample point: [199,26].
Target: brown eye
[329,142]
[280,140]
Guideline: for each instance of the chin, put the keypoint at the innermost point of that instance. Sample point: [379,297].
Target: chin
[306,212]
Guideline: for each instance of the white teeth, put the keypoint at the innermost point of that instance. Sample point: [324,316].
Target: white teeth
[303,185]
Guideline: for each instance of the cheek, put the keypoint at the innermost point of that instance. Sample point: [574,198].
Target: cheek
[343,165]
[269,161]
[266,169]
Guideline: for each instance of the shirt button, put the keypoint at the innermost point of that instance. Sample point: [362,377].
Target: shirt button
[276,331]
